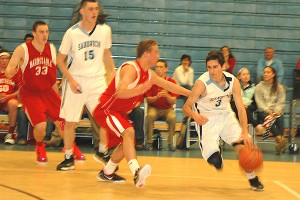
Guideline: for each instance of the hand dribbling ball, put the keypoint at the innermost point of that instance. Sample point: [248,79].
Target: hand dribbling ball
[250,158]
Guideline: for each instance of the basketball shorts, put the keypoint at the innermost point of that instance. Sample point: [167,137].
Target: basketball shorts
[114,122]
[39,104]
[223,125]
[72,104]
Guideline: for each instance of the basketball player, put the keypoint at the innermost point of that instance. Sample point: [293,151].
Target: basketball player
[9,90]
[87,46]
[38,94]
[212,93]
[132,80]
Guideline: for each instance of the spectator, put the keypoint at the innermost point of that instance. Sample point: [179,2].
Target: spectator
[298,64]
[184,73]
[28,37]
[270,98]
[160,106]
[248,89]
[137,118]
[269,60]
[229,59]
[9,90]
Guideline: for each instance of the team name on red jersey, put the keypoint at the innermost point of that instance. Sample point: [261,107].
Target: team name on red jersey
[40,61]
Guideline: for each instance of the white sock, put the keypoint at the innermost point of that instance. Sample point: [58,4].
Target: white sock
[133,165]
[102,148]
[68,153]
[251,175]
[110,167]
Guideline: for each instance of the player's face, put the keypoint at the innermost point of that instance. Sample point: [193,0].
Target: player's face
[4,61]
[153,55]
[90,12]
[215,69]
[244,76]
[41,34]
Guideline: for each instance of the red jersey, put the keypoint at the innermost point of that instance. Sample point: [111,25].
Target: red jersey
[162,102]
[110,102]
[9,86]
[39,68]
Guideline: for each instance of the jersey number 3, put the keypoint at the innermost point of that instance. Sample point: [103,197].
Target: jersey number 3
[218,103]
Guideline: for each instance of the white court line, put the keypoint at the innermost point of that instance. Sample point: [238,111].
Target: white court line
[293,192]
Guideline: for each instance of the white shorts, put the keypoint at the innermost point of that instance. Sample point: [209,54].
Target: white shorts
[224,125]
[72,104]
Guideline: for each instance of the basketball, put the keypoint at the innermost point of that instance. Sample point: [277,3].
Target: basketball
[250,158]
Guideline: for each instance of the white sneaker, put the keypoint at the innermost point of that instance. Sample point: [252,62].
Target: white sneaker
[9,139]
[141,175]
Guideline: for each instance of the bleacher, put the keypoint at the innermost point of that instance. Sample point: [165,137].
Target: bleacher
[181,26]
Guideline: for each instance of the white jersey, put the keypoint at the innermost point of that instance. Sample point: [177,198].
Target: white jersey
[216,99]
[85,50]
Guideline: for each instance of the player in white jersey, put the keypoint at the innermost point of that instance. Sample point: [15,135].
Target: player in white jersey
[87,47]
[209,106]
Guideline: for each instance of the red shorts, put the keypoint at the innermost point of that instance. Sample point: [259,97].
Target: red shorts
[114,122]
[38,105]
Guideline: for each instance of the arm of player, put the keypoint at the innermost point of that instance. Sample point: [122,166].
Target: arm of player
[169,86]
[109,65]
[240,107]
[16,59]
[197,91]
[127,76]
[62,65]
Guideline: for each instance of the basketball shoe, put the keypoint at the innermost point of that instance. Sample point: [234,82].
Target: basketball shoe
[67,164]
[115,178]
[9,139]
[41,155]
[102,157]
[78,156]
[141,175]
[256,184]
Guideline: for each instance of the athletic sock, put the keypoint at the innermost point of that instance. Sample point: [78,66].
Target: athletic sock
[251,175]
[68,153]
[133,165]
[110,167]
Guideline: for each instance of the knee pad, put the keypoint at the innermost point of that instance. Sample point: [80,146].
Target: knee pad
[216,160]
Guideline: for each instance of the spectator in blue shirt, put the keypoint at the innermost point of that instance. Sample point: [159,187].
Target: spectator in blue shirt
[269,60]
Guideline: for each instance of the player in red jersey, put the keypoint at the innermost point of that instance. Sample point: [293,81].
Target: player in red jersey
[9,90]
[127,89]
[39,92]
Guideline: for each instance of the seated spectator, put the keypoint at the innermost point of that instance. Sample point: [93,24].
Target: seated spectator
[9,90]
[248,89]
[160,106]
[184,73]
[229,59]
[298,64]
[28,37]
[270,98]
[269,60]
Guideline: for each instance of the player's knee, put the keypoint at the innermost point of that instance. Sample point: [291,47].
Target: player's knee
[216,160]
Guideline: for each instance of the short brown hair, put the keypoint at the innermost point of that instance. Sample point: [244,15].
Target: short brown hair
[84,2]
[143,46]
[36,24]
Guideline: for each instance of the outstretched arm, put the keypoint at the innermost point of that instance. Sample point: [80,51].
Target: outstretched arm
[167,85]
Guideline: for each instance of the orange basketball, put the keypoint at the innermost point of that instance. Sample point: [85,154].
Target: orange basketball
[250,158]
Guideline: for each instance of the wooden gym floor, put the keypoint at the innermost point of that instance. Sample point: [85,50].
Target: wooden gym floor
[180,175]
